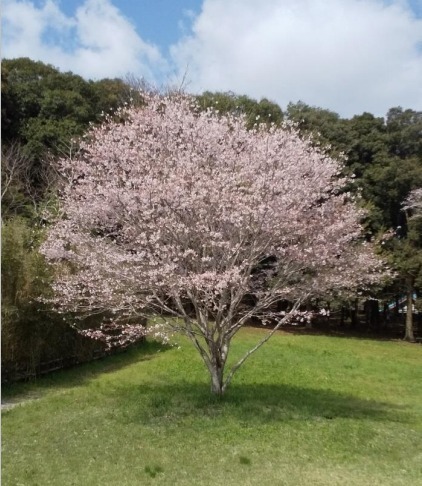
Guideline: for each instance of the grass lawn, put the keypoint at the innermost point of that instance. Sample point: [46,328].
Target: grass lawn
[304,410]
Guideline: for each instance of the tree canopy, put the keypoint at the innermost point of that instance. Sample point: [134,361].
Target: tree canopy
[180,209]
[43,110]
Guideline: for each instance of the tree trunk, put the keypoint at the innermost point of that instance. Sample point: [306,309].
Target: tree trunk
[308,323]
[217,385]
[409,336]
[218,355]
[397,308]
[385,315]
[354,314]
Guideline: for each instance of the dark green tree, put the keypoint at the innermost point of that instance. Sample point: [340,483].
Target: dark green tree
[44,109]
[385,156]
[326,127]
[263,111]
[405,251]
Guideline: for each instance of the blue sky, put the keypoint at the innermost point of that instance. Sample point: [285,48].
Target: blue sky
[161,22]
[349,56]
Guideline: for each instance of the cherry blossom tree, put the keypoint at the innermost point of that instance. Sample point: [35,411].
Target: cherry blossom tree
[414,202]
[186,213]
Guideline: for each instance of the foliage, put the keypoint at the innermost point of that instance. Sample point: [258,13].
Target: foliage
[310,410]
[414,236]
[44,110]
[31,332]
[15,193]
[385,156]
[407,251]
[326,127]
[33,90]
[264,111]
[187,212]
[404,128]
[413,203]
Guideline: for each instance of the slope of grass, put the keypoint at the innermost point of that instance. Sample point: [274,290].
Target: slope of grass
[303,410]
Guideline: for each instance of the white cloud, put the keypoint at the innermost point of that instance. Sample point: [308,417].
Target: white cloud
[98,41]
[346,55]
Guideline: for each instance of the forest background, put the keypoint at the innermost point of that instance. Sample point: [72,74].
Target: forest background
[45,111]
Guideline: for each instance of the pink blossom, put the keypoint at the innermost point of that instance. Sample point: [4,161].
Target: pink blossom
[175,211]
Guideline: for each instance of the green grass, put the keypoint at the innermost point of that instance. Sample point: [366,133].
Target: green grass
[303,410]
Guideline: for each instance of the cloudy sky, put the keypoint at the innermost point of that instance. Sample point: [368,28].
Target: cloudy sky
[349,56]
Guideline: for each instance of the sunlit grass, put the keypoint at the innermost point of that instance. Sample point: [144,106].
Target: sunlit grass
[303,410]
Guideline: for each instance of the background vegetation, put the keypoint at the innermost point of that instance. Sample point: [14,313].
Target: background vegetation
[44,111]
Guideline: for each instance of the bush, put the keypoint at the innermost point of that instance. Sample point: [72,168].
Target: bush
[32,334]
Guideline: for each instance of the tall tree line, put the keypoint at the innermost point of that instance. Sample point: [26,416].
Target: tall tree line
[44,111]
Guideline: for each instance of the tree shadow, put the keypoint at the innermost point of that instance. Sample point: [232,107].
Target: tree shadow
[251,404]
[363,333]
[82,373]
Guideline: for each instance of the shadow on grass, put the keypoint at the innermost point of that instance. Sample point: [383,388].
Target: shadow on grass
[343,332]
[82,373]
[249,404]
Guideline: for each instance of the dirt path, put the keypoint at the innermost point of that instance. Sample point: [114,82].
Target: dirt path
[9,403]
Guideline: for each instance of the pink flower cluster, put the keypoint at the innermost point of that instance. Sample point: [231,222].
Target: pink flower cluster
[175,210]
